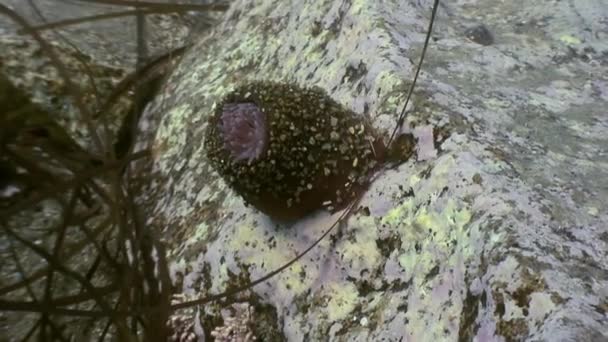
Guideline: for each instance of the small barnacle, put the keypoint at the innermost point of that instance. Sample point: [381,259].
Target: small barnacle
[288,150]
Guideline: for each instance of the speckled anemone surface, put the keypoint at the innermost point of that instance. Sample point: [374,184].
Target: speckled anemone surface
[288,150]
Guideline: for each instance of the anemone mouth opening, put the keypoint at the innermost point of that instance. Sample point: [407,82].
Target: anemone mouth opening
[244,130]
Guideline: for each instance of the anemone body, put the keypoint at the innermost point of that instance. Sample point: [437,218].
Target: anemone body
[289,150]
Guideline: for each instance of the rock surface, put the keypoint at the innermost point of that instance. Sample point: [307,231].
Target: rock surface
[500,236]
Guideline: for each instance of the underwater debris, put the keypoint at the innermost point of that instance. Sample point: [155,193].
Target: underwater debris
[237,328]
[479,34]
[289,150]
[182,329]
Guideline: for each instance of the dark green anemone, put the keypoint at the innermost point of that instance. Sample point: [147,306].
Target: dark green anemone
[288,150]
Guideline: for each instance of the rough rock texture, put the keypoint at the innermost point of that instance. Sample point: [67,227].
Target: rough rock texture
[108,47]
[502,236]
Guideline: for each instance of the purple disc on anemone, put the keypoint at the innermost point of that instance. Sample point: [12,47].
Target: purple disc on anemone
[244,130]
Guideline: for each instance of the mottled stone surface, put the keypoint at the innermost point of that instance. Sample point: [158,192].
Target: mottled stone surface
[500,236]
[96,54]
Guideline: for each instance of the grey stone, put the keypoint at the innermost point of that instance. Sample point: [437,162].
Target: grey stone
[503,235]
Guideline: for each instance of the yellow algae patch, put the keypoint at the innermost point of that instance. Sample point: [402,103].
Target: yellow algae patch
[443,166]
[358,6]
[435,246]
[399,215]
[414,179]
[311,53]
[342,300]
[167,142]
[570,40]
[363,252]
[249,243]
[200,232]
[425,231]
[493,103]
[413,263]
[424,219]
[593,211]
[388,81]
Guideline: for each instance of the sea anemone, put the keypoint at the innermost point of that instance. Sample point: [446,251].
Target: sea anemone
[244,130]
[289,150]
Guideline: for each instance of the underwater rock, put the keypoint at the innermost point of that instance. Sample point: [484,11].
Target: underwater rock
[288,150]
[500,237]
[479,34]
